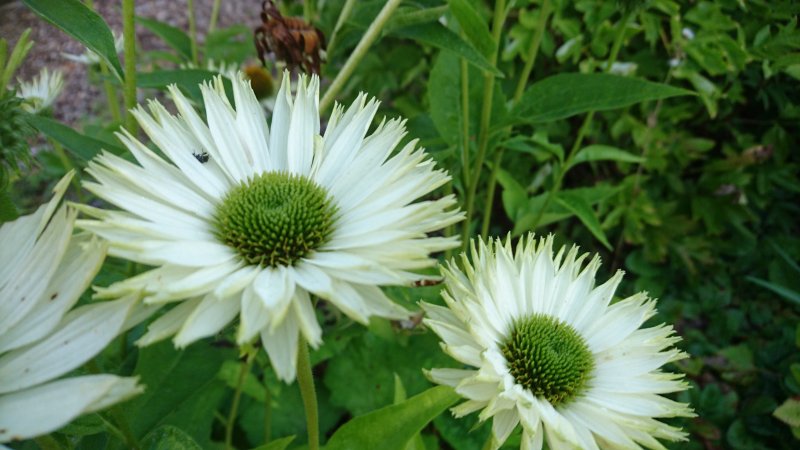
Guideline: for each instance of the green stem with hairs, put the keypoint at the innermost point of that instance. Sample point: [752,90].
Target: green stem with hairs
[308,10]
[108,86]
[533,52]
[244,369]
[498,20]
[212,22]
[267,412]
[129,36]
[372,34]
[622,25]
[465,125]
[192,29]
[305,379]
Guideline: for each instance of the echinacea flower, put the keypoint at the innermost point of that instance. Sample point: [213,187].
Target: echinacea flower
[243,219]
[549,351]
[45,270]
[42,91]
[90,58]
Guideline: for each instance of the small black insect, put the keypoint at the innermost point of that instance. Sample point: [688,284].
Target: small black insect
[202,157]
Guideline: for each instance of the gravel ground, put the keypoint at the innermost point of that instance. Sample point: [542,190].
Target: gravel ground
[79,97]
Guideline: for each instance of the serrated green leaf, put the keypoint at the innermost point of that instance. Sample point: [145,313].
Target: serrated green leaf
[168,437]
[474,26]
[182,389]
[789,412]
[565,95]
[174,37]
[604,153]
[278,444]
[80,145]
[583,210]
[436,35]
[444,95]
[83,24]
[392,427]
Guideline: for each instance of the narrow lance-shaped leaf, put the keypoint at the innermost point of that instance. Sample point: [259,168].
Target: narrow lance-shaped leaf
[583,209]
[568,94]
[605,153]
[174,37]
[391,428]
[436,35]
[80,145]
[83,24]
[475,28]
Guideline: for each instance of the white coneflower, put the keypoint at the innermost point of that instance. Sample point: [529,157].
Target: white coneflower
[41,92]
[550,351]
[90,58]
[242,219]
[44,271]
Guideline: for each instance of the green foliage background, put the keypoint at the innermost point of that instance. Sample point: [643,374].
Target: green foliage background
[697,197]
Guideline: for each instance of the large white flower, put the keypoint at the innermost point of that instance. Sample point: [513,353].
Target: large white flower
[242,219]
[40,92]
[44,271]
[551,352]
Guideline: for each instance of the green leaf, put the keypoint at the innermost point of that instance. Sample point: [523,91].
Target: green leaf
[568,94]
[789,412]
[182,389]
[188,80]
[474,26]
[578,205]
[278,444]
[168,437]
[604,153]
[174,37]
[436,35]
[514,195]
[391,428]
[444,95]
[83,24]
[80,145]
[786,293]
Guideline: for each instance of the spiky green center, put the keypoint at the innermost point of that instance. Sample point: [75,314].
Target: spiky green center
[275,219]
[548,357]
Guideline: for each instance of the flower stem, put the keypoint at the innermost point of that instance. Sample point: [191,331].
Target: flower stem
[305,379]
[212,22]
[267,412]
[244,369]
[498,20]
[465,119]
[111,94]
[192,29]
[129,36]
[369,37]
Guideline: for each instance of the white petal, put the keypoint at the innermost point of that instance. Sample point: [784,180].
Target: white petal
[281,345]
[208,318]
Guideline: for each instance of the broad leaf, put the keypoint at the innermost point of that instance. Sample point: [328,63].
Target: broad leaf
[786,293]
[444,95]
[80,145]
[169,438]
[278,444]
[83,24]
[436,35]
[474,26]
[174,37]
[188,80]
[568,94]
[605,153]
[392,427]
[579,206]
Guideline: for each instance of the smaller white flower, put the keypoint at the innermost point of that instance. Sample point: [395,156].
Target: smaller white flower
[42,91]
[91,58]
[44,271]
[687,33]
[624,69]
[548,351]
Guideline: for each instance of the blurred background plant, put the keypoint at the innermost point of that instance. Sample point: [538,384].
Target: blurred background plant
[538,110]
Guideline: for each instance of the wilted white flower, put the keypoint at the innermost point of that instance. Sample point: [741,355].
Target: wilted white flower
[43,273]
[243,219]
[549,351]
[90,58]
[41,92]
